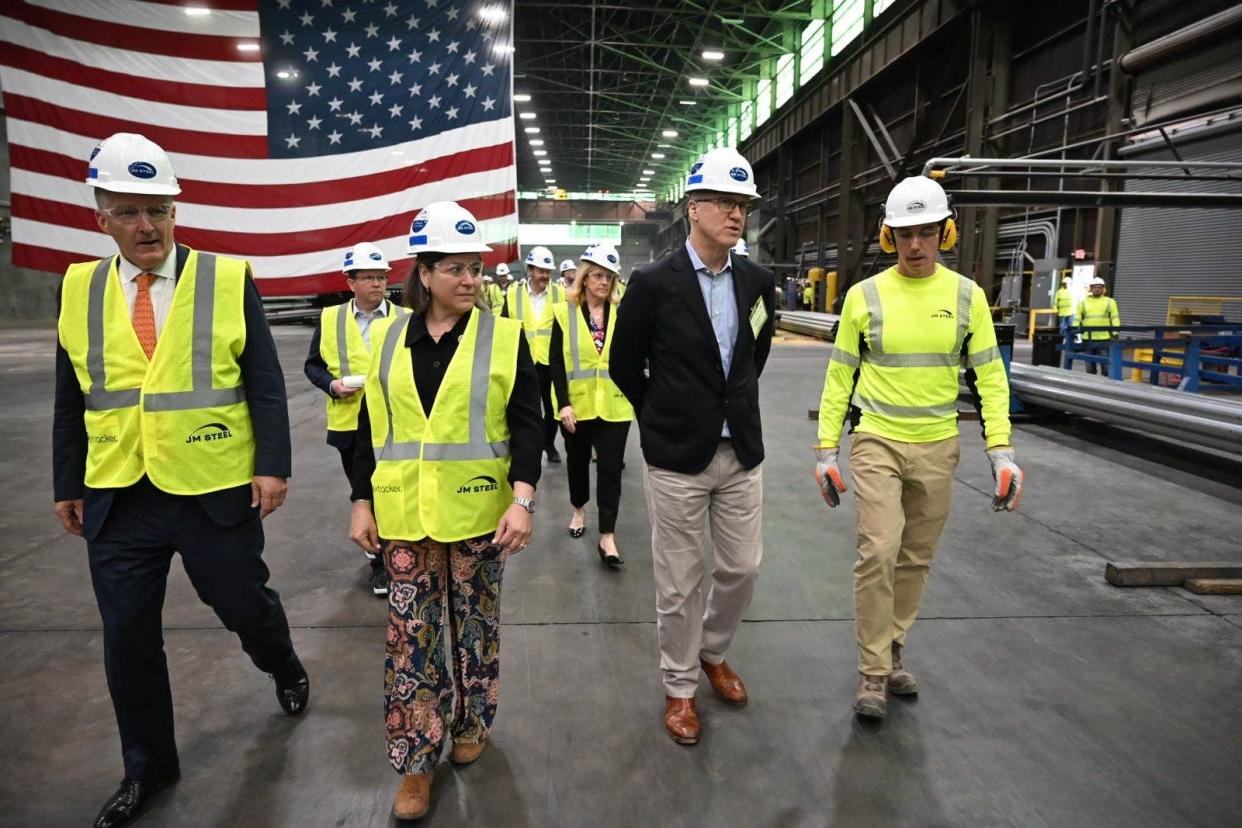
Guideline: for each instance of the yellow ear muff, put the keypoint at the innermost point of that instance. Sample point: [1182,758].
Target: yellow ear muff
[948,236]
[887,244]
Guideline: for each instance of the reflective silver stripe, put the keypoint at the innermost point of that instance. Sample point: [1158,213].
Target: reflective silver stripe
[601,373]
[538,333]
[479,447]
[99,398]
[965,289]
[983,357]
[342,330]
[578,372]
[844,357]
[395,332]
[948,409]
[875,310]
[202,394]
[517,300]
[915,360]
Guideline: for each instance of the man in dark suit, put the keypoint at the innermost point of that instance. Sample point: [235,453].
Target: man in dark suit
[170,433]
[699,321]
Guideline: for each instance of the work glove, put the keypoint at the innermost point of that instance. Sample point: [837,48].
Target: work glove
[1008,479]
[828,476]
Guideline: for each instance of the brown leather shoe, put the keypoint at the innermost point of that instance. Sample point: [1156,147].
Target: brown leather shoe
[727,684]
[464,753]
[901,682]
[681,720]
[413,797]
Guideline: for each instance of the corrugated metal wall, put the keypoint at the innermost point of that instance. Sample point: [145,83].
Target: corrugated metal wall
[1164,252]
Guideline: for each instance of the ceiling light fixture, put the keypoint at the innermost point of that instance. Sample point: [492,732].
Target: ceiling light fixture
[713,54]
[698,81]
[521,98]
[669,133]
[659,156]
[539,153]
[532,130]
[648,172]
[527,116]
[688,103]
[536,142]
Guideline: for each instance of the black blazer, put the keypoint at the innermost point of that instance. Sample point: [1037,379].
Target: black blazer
[684,398]
[264,383]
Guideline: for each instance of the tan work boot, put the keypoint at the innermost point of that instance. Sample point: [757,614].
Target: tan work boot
[464,753]
[413,797]
[901,682]
[870,700]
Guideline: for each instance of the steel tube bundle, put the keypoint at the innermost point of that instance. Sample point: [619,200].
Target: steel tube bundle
[820,325]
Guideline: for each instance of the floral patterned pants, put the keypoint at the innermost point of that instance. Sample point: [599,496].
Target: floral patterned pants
[444,600]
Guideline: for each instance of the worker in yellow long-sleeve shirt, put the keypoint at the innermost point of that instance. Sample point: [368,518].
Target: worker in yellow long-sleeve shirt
[1098,316]
[903,336]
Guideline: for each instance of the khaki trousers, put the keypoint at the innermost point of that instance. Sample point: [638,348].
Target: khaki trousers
[689,626]
[902,492]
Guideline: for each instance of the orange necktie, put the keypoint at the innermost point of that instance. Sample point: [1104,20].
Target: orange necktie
[144,313]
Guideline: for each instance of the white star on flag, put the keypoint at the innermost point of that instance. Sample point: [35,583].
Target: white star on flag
[293,141]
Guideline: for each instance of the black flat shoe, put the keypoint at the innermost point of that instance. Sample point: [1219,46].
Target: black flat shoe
[132,798]
[610,561]
[577,533]
[293,688]
[554,456]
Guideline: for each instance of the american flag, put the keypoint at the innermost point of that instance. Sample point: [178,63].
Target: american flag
[296,127]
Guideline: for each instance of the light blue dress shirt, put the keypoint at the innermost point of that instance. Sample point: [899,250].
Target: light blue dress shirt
[721,304]
[365,319]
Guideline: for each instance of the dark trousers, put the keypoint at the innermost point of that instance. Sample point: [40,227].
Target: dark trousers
[347,463]
[545,393]
[608,440]
[129,563]
[1096,346]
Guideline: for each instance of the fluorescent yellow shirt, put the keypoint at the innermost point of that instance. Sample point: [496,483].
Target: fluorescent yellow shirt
[1098,312]
[899,348]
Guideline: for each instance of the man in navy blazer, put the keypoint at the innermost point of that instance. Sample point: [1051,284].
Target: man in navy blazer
[131,531]
[692,335]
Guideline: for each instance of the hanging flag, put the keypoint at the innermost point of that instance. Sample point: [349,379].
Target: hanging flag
[296,128]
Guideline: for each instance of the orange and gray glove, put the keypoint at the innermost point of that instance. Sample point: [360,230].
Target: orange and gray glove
[1008,479]
[828,476]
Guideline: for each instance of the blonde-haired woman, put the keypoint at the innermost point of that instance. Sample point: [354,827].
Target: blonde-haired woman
[447,459]
[592,410]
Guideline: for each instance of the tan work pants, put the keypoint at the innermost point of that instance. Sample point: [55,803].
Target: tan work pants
[730,499]
[902,492]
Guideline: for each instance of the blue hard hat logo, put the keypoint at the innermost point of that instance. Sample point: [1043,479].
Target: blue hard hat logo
[419,224]
[95,152]
[375,257]
[465,227]
[141,169]
[612,259]
[698,165]
[739,174]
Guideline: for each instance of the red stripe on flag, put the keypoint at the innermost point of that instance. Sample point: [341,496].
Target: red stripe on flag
[133,38]
[153,89]
[172,139]
[303,194]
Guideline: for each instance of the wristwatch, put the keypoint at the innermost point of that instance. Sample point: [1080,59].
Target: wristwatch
[526,503]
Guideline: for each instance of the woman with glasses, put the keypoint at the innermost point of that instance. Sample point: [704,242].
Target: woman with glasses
[447,460]
[592,410]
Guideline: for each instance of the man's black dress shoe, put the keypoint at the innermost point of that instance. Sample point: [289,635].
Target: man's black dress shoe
[132,798]
[554,456]
[293,687]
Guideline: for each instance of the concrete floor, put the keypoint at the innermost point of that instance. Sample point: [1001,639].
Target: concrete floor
[1049,698]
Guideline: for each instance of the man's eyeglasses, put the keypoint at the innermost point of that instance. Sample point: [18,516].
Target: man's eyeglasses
[377,278]
[728,205]
[907,234]
[129,215]
[457,271]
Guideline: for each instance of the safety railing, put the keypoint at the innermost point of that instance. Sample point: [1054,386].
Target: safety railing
[1204,354]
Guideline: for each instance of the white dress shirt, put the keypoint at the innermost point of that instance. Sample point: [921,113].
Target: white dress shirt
[365,318]
[537,301]
[161,289]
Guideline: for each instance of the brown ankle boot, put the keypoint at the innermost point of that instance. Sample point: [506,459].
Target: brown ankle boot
[464,753]
[870,700]
[901,682]
[413,797]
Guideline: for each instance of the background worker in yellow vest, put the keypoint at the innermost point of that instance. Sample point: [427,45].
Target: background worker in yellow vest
[167,435]
[494,289]
[808,296]
[903,336]
[531,302]
[1064,303]
[448,458]
[1098,316]
[594,414]
[340,353]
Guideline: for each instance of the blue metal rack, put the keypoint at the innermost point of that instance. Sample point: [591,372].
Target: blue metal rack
[1187,344]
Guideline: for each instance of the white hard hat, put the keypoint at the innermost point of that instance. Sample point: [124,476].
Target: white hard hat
[1098,281]
[130,163]
[445,227]
[487,278]
[741,248]
[568,264]
[502,269]
[364,256]
[540,257]
[722,170]
[916,200]
[1066,279]
[604,255]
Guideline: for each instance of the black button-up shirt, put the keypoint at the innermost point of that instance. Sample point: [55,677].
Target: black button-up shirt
[431,360]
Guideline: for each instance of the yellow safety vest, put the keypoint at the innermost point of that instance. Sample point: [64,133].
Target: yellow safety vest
[1064,303]
[346,353]
[494,296]
[538,330]
[1098,312]
[444,477]
[181,417]
[620,289]
[592,392]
